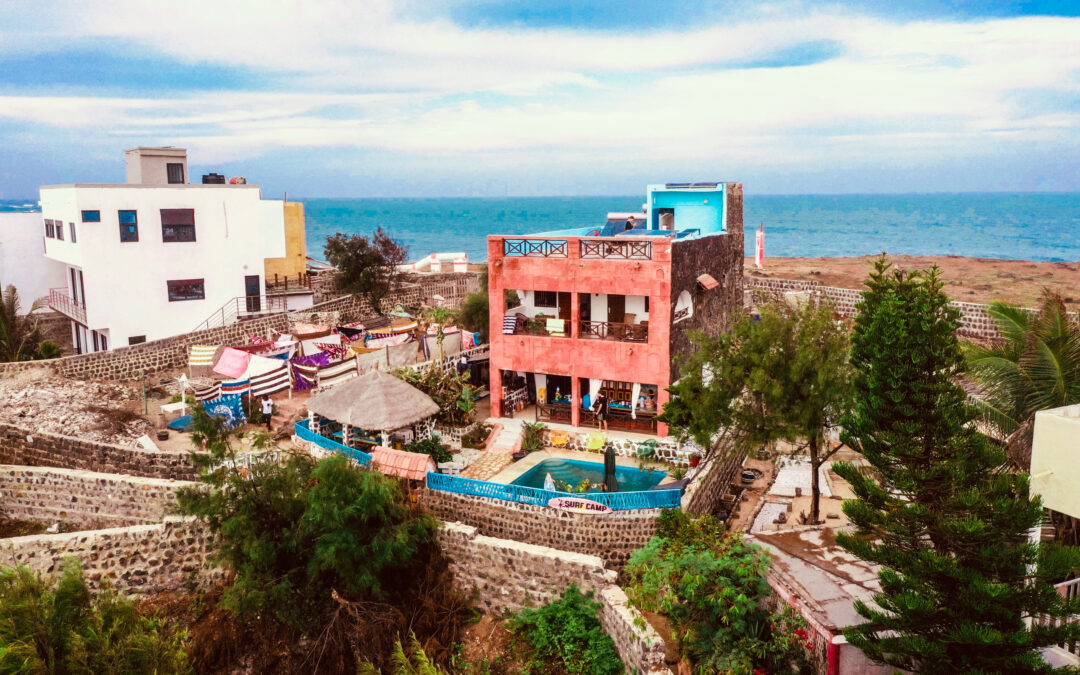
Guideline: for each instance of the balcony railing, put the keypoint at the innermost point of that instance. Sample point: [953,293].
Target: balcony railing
[609,330]
[60,301]
[622,249]
[1068,589]
[535,248]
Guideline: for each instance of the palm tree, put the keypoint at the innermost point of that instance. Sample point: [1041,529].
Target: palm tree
[1034,365]
[19,335]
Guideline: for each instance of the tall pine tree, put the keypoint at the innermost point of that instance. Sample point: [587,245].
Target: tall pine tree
[941,513]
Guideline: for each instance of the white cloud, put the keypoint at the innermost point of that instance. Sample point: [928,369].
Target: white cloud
[435,88]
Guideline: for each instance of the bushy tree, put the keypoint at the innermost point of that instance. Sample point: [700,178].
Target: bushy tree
[710,584]
[20,335]
[366,267]
[941,513]
[67,628]
[784,376]
[475,314]
[296,531]
[447,388]
[565,636]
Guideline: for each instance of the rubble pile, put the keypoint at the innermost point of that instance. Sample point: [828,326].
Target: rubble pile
[102,412]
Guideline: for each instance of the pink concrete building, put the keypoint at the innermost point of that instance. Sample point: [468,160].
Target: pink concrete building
[610,308]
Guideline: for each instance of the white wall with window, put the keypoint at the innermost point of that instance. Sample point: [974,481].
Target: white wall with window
[157,260]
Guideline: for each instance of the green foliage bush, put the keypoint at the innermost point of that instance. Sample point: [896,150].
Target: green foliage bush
[47,350]
[474,314]
[294,532]
[446,388]
[565,636]
[67,628]
[432,446]
[711,585]
[477,438]
[533,438]
[366,267]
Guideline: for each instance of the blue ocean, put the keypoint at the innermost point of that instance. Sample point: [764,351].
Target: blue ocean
[1025,226]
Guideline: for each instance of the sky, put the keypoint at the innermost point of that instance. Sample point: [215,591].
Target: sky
[428,98]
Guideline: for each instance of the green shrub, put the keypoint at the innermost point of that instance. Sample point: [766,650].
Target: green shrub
[474,314]
[445,387]
[533,439]
[565,636]
[47,350]
[415,662]
[433,446]
[477,438]
[711,585]
[294,532]
[66,628]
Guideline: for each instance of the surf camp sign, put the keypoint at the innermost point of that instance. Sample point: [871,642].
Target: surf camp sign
[579,505]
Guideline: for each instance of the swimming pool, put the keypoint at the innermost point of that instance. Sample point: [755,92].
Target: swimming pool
[572,471]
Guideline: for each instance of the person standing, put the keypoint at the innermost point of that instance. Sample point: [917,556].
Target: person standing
[267,410]
[600,407]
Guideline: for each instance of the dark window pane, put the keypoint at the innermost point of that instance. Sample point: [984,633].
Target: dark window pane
[128,217]
[71,229]
[177,225]
[137,340]
[60,230]
[91,216]
[48,229]
[186,289]
[104,343]
[176,173]
[546,299]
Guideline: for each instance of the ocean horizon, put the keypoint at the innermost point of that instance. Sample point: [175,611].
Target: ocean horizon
[1040,226]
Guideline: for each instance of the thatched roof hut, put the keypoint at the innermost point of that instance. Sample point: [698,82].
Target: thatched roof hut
[374,401]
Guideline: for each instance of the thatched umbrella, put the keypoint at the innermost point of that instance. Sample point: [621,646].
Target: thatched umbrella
[374,401]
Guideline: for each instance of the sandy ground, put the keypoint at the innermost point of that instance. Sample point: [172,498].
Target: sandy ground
[981,280]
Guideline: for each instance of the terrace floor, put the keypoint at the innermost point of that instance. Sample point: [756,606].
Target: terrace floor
[528,414]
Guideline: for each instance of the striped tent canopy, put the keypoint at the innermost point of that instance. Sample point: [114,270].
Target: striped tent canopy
[202,355]
[207,393]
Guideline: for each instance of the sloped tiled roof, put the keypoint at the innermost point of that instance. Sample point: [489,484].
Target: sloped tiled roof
[412,465]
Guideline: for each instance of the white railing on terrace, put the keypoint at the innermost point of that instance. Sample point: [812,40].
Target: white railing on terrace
[1070,590]
[244,307]
[61,301]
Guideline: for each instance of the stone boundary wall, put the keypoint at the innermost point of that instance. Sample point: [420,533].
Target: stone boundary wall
[713,480]
[12,368]
[21,446]
[508,575]
[974,321]
[84,499]
[612,536]
[130,362]
[168,556]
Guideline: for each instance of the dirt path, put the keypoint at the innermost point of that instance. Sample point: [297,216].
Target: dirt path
[981,280]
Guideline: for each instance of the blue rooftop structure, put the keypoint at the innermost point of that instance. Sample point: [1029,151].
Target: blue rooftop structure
[677,210]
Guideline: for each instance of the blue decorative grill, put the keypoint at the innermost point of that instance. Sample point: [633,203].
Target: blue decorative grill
[307,434]
[619,501]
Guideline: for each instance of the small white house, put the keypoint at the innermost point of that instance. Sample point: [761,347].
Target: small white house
[157,256]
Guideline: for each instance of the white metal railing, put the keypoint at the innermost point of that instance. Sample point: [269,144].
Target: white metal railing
[62,302]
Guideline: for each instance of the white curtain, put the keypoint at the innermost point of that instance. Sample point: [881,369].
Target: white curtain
[594,390]
[541,387]
[635,392]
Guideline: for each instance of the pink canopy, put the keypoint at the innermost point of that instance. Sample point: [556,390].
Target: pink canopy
[232,363]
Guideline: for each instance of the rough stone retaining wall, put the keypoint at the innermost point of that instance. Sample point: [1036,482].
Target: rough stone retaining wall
[84,499]
[25,447]
[168,556]
[612,536]
[974,321]
[508,575]
[704,493]
[12,368]
[130,362]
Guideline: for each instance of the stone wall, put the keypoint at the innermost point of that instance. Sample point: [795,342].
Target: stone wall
[975,323]
[169,556]
[84,499]
[712,481]
[722,258]
[612,536]
[29,448]
[12,368]
[508,575]
[56,328]
[130,362]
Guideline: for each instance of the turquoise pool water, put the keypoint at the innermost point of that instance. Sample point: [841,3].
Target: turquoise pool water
[573,471]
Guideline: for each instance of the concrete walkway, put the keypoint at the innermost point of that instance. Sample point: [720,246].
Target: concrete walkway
[499,455]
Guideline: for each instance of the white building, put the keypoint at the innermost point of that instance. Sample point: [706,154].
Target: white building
[156,256]
[22,258]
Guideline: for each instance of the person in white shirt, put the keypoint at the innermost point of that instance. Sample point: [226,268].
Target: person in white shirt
[267,410]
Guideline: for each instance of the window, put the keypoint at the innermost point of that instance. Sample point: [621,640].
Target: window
[104,342]
[176,173]
[186,289]
[59,229]
[93,336]
[177,225]
[50,232]
[91,216]
[129,225]
[545,299]
[136,339]
[71,229]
